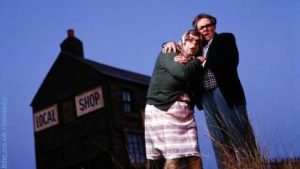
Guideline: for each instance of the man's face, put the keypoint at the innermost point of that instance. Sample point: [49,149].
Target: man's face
[206,28]
[191,45]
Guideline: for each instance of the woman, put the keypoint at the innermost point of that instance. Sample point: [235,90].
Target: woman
[170,127]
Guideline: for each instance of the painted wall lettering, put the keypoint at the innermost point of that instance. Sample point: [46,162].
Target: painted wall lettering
[89,101]
[45,118]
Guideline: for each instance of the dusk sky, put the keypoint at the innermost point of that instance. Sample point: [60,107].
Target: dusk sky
[128,34]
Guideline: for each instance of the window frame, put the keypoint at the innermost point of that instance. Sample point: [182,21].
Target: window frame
[135,145]
[127,101]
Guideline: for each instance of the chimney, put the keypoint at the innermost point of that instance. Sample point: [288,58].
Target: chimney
[71,45]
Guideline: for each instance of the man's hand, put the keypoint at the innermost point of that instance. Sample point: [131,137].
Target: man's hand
[169,47]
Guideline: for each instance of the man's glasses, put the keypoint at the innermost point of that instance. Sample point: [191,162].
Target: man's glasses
[205,26]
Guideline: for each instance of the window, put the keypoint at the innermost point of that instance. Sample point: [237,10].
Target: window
[136,149]
[127,101]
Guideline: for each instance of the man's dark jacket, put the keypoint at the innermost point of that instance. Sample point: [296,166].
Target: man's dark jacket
[223,60]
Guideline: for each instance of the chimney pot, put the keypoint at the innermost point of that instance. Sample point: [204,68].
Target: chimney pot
[72,45]
[70,32]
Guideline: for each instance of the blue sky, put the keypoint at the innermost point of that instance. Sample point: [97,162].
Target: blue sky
[128,34]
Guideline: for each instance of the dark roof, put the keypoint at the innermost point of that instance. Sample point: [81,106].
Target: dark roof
[61,79]
[116,72]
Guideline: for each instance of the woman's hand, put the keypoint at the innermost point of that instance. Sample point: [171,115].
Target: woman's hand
[181,59]
[202,60]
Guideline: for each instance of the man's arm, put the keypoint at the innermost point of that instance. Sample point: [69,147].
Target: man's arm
[169,47]
[179,70]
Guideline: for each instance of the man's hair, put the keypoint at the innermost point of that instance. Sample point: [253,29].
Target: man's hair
[212,19]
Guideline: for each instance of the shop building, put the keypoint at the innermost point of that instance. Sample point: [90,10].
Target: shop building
[88,115]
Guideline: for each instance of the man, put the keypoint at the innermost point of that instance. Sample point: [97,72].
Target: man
[170,127]
[223,98]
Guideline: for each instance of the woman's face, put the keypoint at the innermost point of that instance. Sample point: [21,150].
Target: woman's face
[191,45]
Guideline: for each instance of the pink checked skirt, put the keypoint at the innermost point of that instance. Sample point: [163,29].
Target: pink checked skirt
[170,134]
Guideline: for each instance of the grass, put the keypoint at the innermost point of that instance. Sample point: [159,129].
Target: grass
[244,159]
